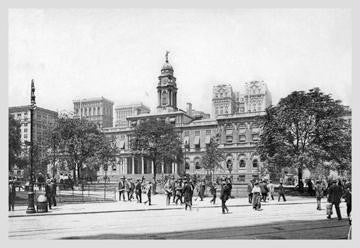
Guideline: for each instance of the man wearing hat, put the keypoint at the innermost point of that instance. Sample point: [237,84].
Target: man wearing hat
[148,189]
[250,186]
[53,191]
[121,188]
[224,196]
[318,194]
[256,191]
[188,193]
[202,189]
[138,190]
[347,197]
[281,192]
[131,189]
[48,193]
[334,196]
[12,194]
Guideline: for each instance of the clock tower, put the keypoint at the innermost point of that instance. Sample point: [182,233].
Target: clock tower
[167,90]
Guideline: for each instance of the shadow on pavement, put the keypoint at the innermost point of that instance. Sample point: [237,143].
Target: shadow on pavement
[292,229]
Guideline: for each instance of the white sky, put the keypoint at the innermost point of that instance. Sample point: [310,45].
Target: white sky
[118,54]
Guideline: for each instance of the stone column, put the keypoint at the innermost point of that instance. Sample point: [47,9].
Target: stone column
[162,168]
[175,169]
[142,165]
[152,167]
[133,165]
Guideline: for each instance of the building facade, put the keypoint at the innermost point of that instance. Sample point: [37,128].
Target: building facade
[43,121]
[124,111]
[98,110]
[236,121]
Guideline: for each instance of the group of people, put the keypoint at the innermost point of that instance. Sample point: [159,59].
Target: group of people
[261,191]
[127,188]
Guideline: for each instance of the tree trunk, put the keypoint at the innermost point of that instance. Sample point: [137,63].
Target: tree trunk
[78,172]
[300,183]
[74,175]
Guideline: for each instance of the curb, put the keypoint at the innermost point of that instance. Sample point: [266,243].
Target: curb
[151,209]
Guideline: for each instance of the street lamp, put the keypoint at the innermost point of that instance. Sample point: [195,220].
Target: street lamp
[31,208]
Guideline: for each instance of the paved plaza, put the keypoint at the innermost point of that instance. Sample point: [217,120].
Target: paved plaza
[295,219]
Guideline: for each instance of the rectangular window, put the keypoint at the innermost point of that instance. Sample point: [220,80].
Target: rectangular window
[197,133]
[186,133]
[241,178]
[25,136]
[256,137]
[25,130]
[242,138]
[208,132]
[229,139]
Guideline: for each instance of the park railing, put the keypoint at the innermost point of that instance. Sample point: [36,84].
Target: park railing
[65,193]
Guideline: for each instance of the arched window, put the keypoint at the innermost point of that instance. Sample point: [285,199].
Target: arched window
[187,166]
[255,163]
[242,163]
[197,165]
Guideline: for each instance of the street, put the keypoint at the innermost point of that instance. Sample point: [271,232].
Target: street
[301,221]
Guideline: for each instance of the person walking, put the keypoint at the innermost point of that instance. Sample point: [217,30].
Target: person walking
[121,188]
[173,188]
[256,200]
[178,192]
[188,194]
[132,188]
[167,191]
[12,194]
[127,189]
[334,197]
[202,189]
[271,188]
[347,197]
[48,192]
[224,196]
[138,190]
[213,193]
[250,186]
[318,194]
[281,192]
[53,191]
[148,189]
[263,190]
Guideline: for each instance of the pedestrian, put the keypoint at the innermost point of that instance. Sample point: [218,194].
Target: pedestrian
[53,186]
[132,188]
[188,194]
[229,186]
[256,200]
[12,195]
[224,196]
[250,186]
[127,189]
[138,190]
[264,190]
[281,192]
[213,193]
[347,197]
[202,190]
[271,188]
[48,192]
[148,189]
[167,191]
[334,197]
[121,188]
[192,185]
[318,194]
[178,192]
[173,188]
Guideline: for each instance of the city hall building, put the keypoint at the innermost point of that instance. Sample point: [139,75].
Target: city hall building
[236,117]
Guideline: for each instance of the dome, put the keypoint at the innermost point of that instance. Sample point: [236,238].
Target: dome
[167,66]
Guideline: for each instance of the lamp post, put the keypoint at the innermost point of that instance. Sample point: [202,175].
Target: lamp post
[31,208]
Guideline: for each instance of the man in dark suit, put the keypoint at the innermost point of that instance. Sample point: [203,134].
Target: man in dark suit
[224,196]
[122,188]
[335,193]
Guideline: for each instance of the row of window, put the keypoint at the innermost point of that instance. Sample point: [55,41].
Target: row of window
[242,164]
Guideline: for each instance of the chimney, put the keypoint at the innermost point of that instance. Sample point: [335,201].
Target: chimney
[189,108]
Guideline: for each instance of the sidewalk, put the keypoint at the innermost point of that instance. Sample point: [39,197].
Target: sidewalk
[158,203]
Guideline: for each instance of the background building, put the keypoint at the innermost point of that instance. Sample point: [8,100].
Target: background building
[43,120]
[98,110]
[236,121]
[124,111]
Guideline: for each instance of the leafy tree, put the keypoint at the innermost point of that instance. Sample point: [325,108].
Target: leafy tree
[304,130]
[75,141]
[213,156]
[14,142]
[157,141]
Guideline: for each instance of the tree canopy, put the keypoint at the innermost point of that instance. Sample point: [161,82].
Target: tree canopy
[158,141]
[14,142]
[304,130]
[213,156]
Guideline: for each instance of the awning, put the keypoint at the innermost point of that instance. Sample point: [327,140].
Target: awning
[186,140]
[197,140]
[207,139]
